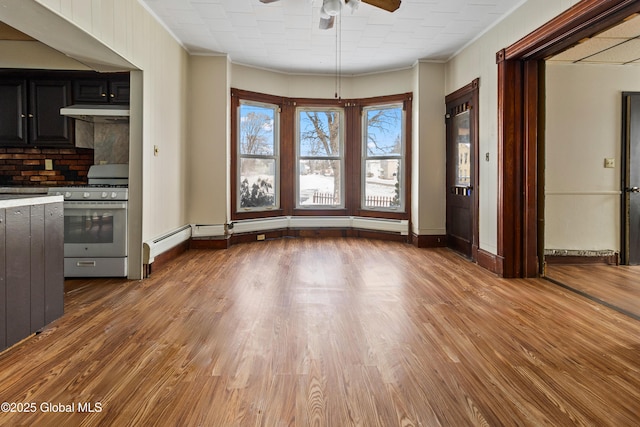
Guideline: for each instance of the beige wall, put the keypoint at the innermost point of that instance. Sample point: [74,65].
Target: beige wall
[185,106]
[36,55]
[479,60]
[429,151]
[208,148]
[320,86]
[583,127]
[121,34]
[425,80]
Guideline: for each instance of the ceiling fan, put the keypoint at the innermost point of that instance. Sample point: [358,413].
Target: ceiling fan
[331,8]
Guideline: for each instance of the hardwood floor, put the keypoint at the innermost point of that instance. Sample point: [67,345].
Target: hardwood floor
[328,332]
[617,286]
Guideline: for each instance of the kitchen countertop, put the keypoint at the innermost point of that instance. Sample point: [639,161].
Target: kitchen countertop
[15,200]
[24,190]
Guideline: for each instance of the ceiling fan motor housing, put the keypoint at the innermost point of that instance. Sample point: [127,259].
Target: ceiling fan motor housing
[332,7]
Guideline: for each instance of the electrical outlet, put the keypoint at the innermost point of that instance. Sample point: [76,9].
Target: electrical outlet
[609,163]
[260,237]
[48,164]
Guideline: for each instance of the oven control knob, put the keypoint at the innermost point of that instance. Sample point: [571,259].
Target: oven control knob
[114,195]
[86,195]
[67,194]
[105,194]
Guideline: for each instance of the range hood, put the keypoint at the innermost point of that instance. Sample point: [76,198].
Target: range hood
[97,113]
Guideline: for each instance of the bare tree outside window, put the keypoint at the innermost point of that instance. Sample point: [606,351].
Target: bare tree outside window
[384,135]
[320,155]
[383,153]
[256,133]
[258,156]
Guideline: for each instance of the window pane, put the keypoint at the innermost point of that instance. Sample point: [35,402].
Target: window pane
[384,132]
[320,183]
[382,185]
[257,177]
[319,133]
[257,130]
[463,148]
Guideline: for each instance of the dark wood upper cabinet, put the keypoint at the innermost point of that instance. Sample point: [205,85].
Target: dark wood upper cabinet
[13,112]
[91,91]
[46,126]
[101,91]
[30,102]
[30,112]
[119,91]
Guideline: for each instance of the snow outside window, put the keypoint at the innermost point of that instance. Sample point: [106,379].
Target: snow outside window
[383,157]
[258,156]
[320,154]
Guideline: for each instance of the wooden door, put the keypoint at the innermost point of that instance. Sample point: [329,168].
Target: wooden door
[462,195]
[631,179]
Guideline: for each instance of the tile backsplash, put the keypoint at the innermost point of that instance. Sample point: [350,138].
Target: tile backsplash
[110,141]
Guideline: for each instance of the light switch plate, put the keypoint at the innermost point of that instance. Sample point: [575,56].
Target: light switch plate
[48,164]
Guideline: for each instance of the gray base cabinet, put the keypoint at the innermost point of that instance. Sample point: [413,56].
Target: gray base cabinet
[31,267]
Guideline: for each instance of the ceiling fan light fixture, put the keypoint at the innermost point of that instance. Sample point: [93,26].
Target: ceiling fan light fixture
[332,7]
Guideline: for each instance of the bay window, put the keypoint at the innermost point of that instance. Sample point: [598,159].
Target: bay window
[320,157]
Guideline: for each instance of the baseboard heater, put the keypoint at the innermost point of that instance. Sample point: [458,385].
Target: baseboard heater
[318,222]
[159,245]
[581,256]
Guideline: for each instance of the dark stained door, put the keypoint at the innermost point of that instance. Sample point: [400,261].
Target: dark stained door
[631,179]
[462,200]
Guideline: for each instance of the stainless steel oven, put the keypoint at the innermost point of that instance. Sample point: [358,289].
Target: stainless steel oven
[95,224]
[95,238]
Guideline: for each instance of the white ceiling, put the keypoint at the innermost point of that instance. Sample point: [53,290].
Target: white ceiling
[619,45]
[284,36]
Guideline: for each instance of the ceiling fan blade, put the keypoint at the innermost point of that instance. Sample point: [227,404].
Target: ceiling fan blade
[268,1]
[388,5]
[327,23]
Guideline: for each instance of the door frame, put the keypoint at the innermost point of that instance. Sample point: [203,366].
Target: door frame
[521,126]
[471,91]
[624,180]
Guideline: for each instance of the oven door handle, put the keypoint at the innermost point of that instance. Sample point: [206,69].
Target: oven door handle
[94,205]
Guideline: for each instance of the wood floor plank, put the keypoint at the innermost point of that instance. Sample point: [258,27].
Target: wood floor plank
[616,285]
[348,332]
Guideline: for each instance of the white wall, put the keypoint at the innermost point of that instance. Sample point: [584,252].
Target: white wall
[479,60]
[583,127]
